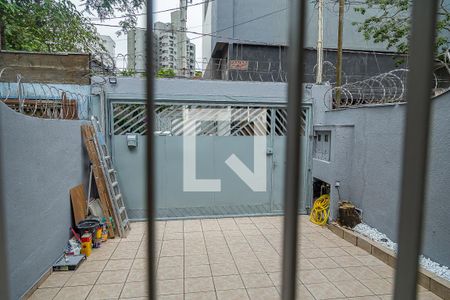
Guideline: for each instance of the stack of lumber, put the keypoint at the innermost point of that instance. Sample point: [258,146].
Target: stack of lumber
[88,133]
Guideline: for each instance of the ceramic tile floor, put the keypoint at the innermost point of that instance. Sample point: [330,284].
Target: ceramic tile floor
[230,258]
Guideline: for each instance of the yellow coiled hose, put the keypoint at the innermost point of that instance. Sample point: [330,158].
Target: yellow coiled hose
[321,210]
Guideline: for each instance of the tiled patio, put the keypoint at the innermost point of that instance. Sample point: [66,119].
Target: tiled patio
[231,258]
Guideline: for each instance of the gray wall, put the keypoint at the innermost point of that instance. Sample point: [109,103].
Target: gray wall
[41,160]
[366,158]
[229,20]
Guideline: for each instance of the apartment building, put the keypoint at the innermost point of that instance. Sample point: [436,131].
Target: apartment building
[167,52]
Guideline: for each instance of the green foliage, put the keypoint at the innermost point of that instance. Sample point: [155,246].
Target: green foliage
[105,9]
[46,26]
[165,73]
[127,73]
[392,23]
[198,74]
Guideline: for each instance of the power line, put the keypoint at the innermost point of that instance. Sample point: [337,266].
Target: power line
[213,34]
[155,12]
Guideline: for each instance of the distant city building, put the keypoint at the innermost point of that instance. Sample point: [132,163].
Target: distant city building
[249,42]
[109,45]
[167,51]
[136,46]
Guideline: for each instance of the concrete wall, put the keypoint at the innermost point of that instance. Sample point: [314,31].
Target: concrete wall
[41,160]
[230,20]
[366,157]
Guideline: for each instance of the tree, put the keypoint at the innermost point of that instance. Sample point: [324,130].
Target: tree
[46,26]
[165,73]
[57,25]
[392,24]
[105,9]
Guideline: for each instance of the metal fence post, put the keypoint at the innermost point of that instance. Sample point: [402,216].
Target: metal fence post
[293,156]
[150,156]
[415,147]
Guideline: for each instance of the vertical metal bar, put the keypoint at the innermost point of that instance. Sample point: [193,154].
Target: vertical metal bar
[150,156]
[293,149]
[415,147]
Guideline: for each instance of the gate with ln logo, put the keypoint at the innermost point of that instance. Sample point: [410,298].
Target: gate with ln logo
[211,160]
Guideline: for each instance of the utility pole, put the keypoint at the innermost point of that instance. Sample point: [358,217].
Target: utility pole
[339,53]
[183,25]
[319,65]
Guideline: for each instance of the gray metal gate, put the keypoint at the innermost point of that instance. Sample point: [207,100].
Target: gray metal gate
[218,134]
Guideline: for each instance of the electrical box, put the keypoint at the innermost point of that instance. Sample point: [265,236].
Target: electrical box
[132,140]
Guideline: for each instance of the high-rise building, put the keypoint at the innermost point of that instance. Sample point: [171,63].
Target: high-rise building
[244,41]
[167,50]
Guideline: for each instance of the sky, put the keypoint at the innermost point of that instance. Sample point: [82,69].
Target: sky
[194,23]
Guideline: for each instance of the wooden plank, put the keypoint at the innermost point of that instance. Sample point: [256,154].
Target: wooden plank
[79,203]
[88,139]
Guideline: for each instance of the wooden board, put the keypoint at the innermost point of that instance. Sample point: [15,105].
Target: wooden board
[88,138]
[79,203]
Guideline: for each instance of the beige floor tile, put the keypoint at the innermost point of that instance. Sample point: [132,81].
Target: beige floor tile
[170,287]
[378,286]
[347,261]
[364,298]
[334,251]
[324,291]
[109,277]
[173,261]
[122,264]
[137,276]
[105,291]
[337,274]
[126,244]
[268,293]
[92,266]
[240,294]
[200,296]
[223,269]
[229,282]
[355,251]
[133,290]
[302,293]
[369,260]
[311,276]
[313,253]
[56,279]
[140,264]
[220,258]
[323,263]
[352,288]
[197,271]
[44,294]
[384,271]
[170,297]
[256,280]
[173,236]
[362,272]
[73,293]
[199,284]
[83,279]
[124,254]
[169,273]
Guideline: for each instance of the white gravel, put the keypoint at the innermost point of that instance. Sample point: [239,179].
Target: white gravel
[381,238]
